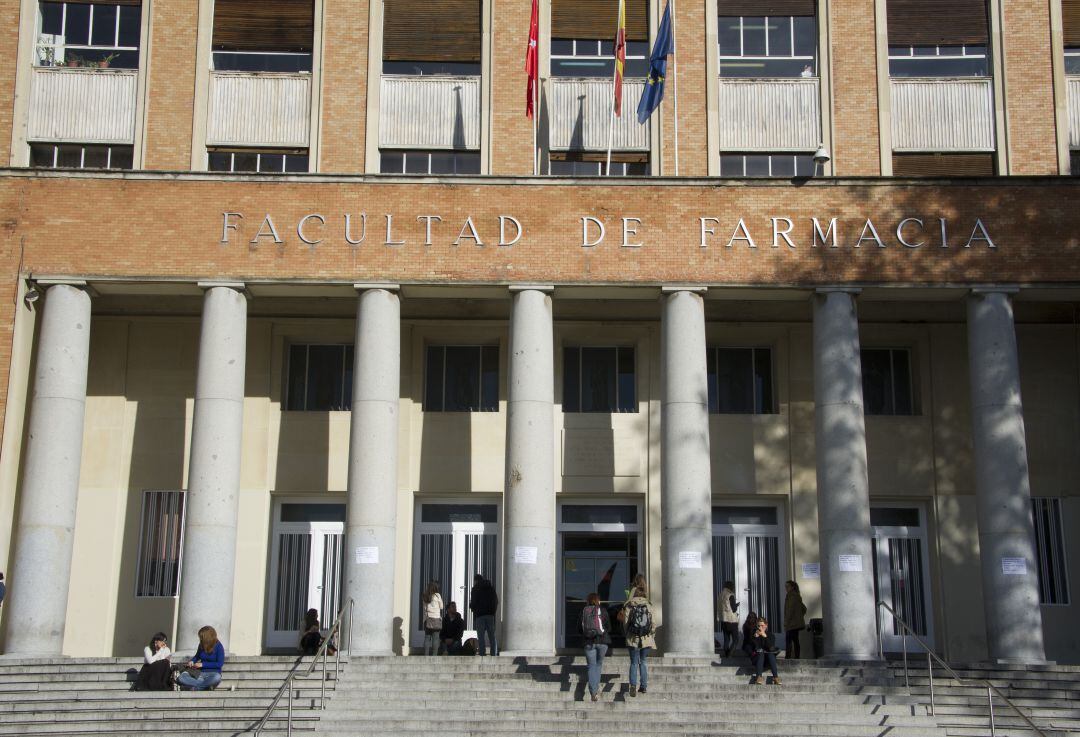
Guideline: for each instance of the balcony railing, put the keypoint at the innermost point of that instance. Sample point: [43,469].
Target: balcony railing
[580,112]
[431,112]
[259,109]
[1074,112]
[770,114]
[942,114]
[84,105]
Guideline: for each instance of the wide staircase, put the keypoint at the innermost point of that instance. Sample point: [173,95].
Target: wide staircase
[489,697]
[80,696]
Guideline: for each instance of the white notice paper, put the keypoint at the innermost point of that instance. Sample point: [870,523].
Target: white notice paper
[689,559]
[851,563]
[811,570]
[367,556]
[526,555]
[1013,567]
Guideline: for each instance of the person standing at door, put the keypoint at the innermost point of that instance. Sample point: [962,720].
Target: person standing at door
[596,629]
[794,619]
[484,602]
[729,617]
[638,625]
[433,614]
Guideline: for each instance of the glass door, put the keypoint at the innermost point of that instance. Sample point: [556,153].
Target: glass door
[747,550]
[901,573]
[306,568]
[599,546]
[452,543]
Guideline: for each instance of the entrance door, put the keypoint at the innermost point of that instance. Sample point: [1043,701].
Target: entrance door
[748,548]
[452,543]
[901,573]
[599,546]
[306,568]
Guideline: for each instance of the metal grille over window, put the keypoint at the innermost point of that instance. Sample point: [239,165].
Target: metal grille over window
[294,570]
[1050,551]
[436,561]
[161,536]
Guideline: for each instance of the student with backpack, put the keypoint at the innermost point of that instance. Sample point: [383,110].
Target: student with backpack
[596,629]
[638,625]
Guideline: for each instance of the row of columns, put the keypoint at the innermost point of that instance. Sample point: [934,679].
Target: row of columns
[41,570]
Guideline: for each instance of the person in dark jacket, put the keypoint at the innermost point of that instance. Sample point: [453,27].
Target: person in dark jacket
[763,646]
[453,627]
[595,627]
[311,634]
[794,619]
[483,603]
[748,629]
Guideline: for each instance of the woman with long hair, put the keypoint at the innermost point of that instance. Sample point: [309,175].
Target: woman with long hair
[433,617]
[157,669]
[794,620]
[596,629]
[638,626]
[204,668]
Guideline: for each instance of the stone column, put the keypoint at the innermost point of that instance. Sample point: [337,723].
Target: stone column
[528,597]
[847,578]
[371,527]
[1003,492]
[685,476]
[211,503]
[41,571]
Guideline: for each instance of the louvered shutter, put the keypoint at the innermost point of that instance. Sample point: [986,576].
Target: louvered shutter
[432,30]
[598,19]
[1070,16]
[264,25]
[728,8]
[943,165]
[937,22]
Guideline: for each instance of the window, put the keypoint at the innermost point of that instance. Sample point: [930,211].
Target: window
[88,35]
[1072,61]
[1074,163]
[943,165]
[249,160]
[161,540]
[886,377]
[422,38]
[767,46]
[740,381]
[429,162]
[767,165]
[596,58]
[268,36]
[595,165]
[599,380]
[462,378]
[1050,551]
[79,156]
[320,378]
[939,61]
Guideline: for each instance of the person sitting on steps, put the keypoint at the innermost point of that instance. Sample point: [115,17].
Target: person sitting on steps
[453,628]
[311,635]
[204,668]
[156,672]
[763,646]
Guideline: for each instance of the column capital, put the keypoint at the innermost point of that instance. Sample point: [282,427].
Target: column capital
[981,289]
[238,286]
[385,286]
[854,291]
[673,288]
[545,288]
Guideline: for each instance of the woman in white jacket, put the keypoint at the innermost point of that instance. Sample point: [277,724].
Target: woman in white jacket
[433,614]
[729,617]
[156,672]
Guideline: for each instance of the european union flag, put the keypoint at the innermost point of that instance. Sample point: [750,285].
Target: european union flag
[654,85]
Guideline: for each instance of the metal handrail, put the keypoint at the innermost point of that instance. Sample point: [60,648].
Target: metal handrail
[287,686]
[931,656]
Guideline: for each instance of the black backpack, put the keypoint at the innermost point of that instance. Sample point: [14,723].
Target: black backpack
[638,620]
[592,622]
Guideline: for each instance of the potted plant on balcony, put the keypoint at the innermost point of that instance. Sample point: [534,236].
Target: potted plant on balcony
[104,63]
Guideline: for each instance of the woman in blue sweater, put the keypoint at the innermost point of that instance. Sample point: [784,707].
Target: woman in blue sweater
[207,660]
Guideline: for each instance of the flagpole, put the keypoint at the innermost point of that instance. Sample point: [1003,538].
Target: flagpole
[614,78]
[675,86]
[536,126]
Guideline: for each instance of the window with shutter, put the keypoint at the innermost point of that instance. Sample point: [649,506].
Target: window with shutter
[1070,17]
[269,36]
[938,38]
[767,39]
[594,163]
[943,165]
[583,38]
[432,37]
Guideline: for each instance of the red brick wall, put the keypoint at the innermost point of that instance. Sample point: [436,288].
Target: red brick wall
[171,84]
[691,48]
[1029,87]
[512,132]
[855,96]
[92,225]
[344,85]
[9,47]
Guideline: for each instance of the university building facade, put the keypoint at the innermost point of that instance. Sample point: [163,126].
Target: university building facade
[296,312]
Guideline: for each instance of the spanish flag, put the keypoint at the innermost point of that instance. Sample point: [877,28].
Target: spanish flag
[620,56]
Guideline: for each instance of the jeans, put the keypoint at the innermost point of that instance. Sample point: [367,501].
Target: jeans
[793,649]
[485,627]
[759,662]
[205,680]
[637,663]
[594,656]
[431,642]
